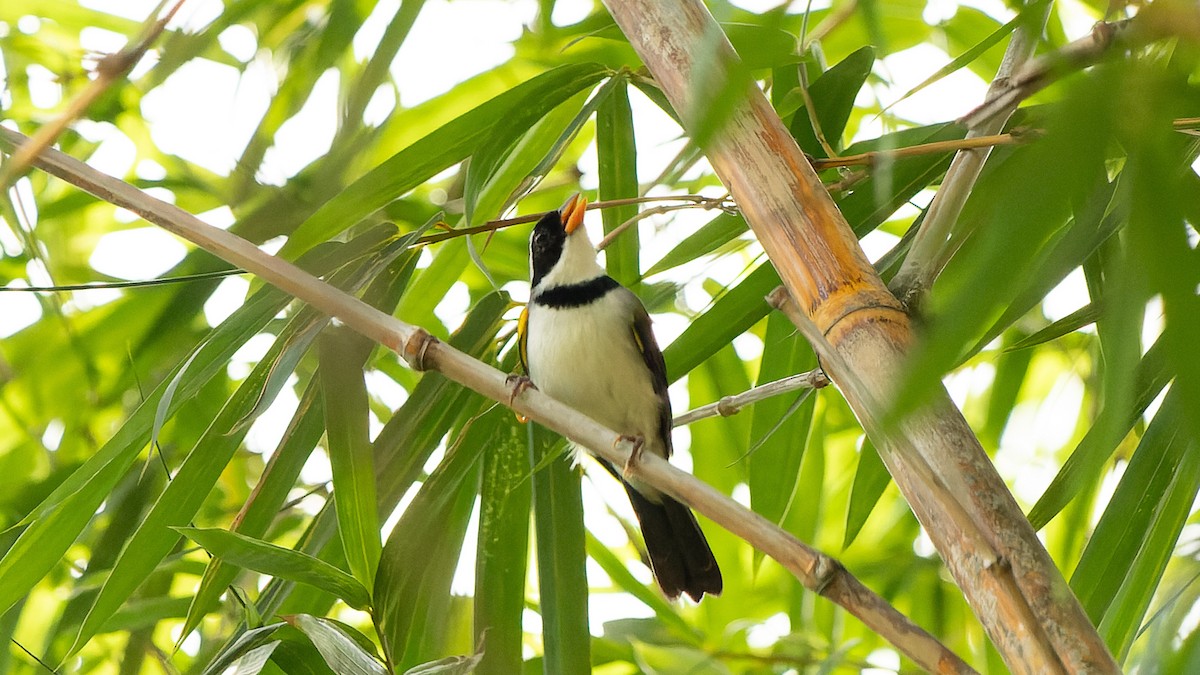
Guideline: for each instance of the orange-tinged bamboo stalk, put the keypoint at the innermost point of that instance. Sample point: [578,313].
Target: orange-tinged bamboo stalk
[862,334]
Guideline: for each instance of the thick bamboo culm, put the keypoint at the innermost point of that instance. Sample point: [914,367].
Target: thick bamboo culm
[862,335]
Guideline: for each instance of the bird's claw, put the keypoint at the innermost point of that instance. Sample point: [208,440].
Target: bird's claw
[517,385]
[635,453]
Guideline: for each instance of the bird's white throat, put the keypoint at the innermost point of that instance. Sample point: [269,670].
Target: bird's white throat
[577,263]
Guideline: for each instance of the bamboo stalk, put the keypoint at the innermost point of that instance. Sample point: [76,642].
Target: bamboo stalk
[862,334]
[817,571]
[931,249]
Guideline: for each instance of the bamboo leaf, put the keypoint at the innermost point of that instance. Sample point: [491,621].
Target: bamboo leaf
[616,570]
[179,502]
[616,157]
[276,561]
[253,661]
[451,665]
[1081,317]
[440,150]
[341,652]
[1090,455]
[1139,527]
[708,238]
[412,587]
[871,478]
[502,549]
[833,95]
[245,643]
[774,461]
[517,156]
[562,583]
[345,395]
[62,515]
[732,314]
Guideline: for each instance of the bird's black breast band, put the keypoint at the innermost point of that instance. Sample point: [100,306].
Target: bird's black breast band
[576,295]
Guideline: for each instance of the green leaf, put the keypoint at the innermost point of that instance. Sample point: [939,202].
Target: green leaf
[502,549]
[1124,617]
[892,184]
[833,95]
[299,439]
[1084,316]
[561,557]
[412,588]
[278,478]
[871,478]
[616,157]
[244,644]
[675,660]
[970,55]
[732,314]
[340,651]
[253,661]
[276,561]
[1125,557]
[517,156]
[58,520]
[616,570]
[451,665]
[439,150]
[780,434]
[1021,208]
[1089,457]
[345,394]
[179,502]
[708,238]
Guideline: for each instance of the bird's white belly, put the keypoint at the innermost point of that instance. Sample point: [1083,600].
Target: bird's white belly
[586,357]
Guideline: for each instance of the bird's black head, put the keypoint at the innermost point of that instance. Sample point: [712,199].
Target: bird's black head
[546,246]
[550,237]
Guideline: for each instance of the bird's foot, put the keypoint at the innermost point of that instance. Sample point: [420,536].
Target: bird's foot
[635,453]
[517,385]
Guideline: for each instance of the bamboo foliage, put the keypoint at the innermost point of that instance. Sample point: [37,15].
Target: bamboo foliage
[152,528]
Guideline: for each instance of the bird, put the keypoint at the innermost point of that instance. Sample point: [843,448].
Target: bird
[586,341]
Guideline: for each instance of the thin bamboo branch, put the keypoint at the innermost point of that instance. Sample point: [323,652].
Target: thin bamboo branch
[422,351]
[697,201]
[722,203]
[873,158]
[862,334]
[110,69]
[931,248]
[733,404]
[1040,72]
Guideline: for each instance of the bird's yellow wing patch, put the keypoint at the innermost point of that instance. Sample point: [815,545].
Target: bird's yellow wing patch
[523,338]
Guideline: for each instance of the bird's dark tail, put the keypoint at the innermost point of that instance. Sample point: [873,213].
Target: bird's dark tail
[679,554]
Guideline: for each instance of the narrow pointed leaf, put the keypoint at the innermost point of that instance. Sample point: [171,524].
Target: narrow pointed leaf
[341,652]
[345,394]
[412,588]
[276,561]
[562,582]
[443,148]
[616,157]
[502,551]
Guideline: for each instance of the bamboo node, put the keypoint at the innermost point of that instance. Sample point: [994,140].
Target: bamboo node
[417,347]
[823,573]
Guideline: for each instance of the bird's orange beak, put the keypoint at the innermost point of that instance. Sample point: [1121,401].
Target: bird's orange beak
[572,212]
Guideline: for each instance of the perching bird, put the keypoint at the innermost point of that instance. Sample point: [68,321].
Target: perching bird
[585,340]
